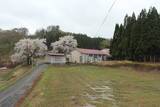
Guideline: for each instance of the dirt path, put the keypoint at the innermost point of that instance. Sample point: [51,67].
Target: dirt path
[10,96]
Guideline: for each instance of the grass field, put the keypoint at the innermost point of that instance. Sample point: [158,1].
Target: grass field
[9,76]
[127,63]
[91,86]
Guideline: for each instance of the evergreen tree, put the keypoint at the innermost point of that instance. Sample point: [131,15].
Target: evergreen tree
[138,39]
[114,42]
[53,33]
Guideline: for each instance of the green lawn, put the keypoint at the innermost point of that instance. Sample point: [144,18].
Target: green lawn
[91,86]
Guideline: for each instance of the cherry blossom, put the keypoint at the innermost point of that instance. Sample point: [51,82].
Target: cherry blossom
[28,49]
[65,45]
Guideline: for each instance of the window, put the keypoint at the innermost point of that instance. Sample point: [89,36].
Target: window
[81,60]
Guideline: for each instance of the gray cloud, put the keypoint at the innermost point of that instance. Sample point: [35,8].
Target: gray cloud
[79,16]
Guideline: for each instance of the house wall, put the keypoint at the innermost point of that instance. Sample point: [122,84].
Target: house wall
[47,59]
[85,58]
[75,56]
[55,59]
[107,52]
[58,60]
[92,58]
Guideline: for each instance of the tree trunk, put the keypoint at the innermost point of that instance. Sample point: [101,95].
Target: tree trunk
[29,61]
[154,59]
[150,59]
[144,58]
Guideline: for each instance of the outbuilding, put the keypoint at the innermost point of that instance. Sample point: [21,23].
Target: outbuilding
[80,55]
[55,58]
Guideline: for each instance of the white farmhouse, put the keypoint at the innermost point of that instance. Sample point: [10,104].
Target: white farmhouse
[86,55]
[78,55]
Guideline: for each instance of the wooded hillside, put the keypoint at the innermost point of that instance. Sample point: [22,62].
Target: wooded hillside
[8,38]
[53,33]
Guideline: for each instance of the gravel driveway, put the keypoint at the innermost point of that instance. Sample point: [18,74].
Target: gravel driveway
[11,95]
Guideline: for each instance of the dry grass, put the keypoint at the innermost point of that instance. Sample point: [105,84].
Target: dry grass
[137,66]
[91,86]
[9,76]
[114,63]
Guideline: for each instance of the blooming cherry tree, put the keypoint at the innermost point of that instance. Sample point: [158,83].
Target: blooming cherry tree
[28,49]
[65,45]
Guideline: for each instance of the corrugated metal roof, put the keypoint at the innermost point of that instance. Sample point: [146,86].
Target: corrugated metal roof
[91,51]
[55,54]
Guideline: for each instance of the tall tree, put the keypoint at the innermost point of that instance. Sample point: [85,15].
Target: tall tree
[53,33]
[115,42]
[65,45]
[105,44]
[27,49]
[138,38]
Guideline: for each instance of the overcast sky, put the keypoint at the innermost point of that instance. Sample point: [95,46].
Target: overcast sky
[79,16]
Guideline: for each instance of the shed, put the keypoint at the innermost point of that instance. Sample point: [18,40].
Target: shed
[55,58]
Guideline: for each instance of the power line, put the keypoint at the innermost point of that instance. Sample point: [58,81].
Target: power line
[107,14]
